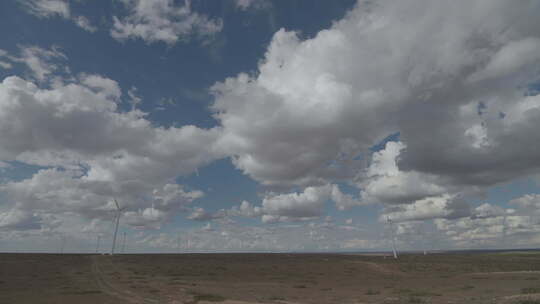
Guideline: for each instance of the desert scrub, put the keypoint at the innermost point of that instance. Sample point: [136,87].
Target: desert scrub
[206,297]
[528,301]
[371,292]
[529,290]
[415,300]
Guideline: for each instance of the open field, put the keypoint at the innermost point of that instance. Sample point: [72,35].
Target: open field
[270,278]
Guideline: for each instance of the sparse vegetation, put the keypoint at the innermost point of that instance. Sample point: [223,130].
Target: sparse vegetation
[415,300]
[273,278]
[528,301]
[529,290]
[81,292]
[208,297]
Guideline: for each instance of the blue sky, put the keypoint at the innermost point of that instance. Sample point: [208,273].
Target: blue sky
[268,125]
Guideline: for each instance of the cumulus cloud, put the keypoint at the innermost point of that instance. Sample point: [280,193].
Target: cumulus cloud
[529,202]
[199,214]
[507,231]
[295,206]
[89,152]
[162,20]
[486,211]
[453,79]
[16,219]
[385,183]
[246,209]
[315,105]
[307,204]
[444,206]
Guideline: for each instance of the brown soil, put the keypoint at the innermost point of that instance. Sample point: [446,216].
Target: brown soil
[270,278]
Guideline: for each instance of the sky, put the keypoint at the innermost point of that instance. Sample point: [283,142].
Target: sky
[257,125]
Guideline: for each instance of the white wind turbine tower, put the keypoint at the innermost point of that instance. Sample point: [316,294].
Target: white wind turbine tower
[425,237]
[118,213]
[63,244]
[388,220]
[98,239]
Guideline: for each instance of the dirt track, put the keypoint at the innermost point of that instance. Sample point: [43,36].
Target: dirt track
[268,278]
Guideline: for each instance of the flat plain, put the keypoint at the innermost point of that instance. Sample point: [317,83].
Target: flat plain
[512,277]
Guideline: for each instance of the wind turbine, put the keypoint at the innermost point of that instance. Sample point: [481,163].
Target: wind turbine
[505,230]
[97,242]
[63,244]
[425,238]
[118,213]
[388,220]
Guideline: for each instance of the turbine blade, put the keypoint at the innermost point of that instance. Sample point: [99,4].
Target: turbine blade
[117,206]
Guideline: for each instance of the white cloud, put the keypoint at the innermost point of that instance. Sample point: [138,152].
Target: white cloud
[47,8]
[246,209]
[84,23]
[145,218]
[307,117]
[362,244]
[102,85]
[245,5]
[314,106]
[295,206]
[16,219]
[309,203]
[162,20]
[386,183]
[40,61]
[56,8]
[174,196]
[5,65]
[444,206]
[529,202]
[486,211]
[96,152]
[497,231]
[199,214]
[510,58]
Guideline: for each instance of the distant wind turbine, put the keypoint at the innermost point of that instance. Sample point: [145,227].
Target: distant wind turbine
[63,244]
[505,230]
[97,243]
[425,237]
[393,238]
[118,213]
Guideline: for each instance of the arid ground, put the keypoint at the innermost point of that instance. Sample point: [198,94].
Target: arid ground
[270,278]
